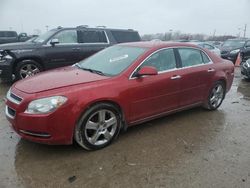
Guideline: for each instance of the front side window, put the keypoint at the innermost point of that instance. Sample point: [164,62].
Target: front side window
[92,37]
[190,57]
[66,36]
[162,60]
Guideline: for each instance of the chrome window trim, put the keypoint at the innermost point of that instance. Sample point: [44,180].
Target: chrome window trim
[176,47]
[7,113]
[78,43]
[12,99]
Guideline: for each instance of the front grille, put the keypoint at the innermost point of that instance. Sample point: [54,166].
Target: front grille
[14,98]
[19,99]
[11,113]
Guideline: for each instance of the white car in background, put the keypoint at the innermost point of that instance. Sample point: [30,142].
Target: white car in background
[208,46]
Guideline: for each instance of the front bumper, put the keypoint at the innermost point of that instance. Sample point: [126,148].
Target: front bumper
[54,128]
[6,69]
[245,71]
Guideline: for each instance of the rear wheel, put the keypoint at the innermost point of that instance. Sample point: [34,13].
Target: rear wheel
[216,96]
[27,68]
[98,126]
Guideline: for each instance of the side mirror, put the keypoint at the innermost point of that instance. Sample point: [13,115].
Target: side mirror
[54,41]
[147,70]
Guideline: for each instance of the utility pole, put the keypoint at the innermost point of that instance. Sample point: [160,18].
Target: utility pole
[245,30]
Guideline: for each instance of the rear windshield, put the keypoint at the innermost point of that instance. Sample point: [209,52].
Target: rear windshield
[8,34]
[234,43]
[126,36]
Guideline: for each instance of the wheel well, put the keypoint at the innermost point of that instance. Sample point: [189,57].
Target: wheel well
[224,82]
[37,59]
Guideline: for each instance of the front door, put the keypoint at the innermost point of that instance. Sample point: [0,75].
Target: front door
[66,52]
[152,95]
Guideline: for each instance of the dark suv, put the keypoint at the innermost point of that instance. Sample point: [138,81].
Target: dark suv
[231,48]
[56,48]
[245,52]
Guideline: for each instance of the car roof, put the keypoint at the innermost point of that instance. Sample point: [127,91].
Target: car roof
[158,44]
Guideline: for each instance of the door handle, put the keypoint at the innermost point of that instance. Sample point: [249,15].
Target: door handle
[175,77]
[210,70]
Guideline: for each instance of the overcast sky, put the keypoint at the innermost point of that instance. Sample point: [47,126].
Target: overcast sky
[146,16]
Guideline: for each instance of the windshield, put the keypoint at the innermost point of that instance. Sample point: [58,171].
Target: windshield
[113,60]
[44,37]
[234,43]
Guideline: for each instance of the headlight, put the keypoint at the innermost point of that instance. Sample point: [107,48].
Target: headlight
[45,105]
[235,51]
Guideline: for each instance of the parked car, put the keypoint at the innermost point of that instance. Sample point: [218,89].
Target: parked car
[56,48]
[245,51]
[118,87]
[209,47]
[8,37]
[245,69]
[231,48]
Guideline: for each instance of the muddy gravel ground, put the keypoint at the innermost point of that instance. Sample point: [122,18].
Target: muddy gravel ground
[194,148]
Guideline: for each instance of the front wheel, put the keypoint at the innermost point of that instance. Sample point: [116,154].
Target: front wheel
[216,96]
[98,126]
[27,68]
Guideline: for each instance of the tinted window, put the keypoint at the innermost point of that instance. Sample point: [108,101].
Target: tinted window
[162,60]
[125,36]
[92,37]
[8,34]
[190,57]
[112,60]
[66,36]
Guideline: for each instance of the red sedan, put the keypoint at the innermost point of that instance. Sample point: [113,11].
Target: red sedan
[118,87]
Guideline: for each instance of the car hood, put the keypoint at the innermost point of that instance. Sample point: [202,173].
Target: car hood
[57,78]
[19,46]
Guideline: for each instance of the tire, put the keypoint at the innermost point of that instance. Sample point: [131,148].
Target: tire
[98,126]
[216,96]
[27,68]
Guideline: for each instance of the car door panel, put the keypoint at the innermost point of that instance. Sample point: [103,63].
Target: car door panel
[153,95]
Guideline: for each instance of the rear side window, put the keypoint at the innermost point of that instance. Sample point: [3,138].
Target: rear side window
[190,57]
[205,58]
[92,37]
[125,36]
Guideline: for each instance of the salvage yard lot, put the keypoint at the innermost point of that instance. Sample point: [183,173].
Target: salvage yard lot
[194,148]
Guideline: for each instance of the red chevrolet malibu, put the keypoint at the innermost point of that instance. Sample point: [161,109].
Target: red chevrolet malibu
[123,85]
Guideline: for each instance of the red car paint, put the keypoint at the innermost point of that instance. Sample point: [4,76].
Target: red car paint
[140,99]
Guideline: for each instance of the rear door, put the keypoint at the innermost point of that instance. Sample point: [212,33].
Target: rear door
[152,95]
[91,41]
[196,75]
